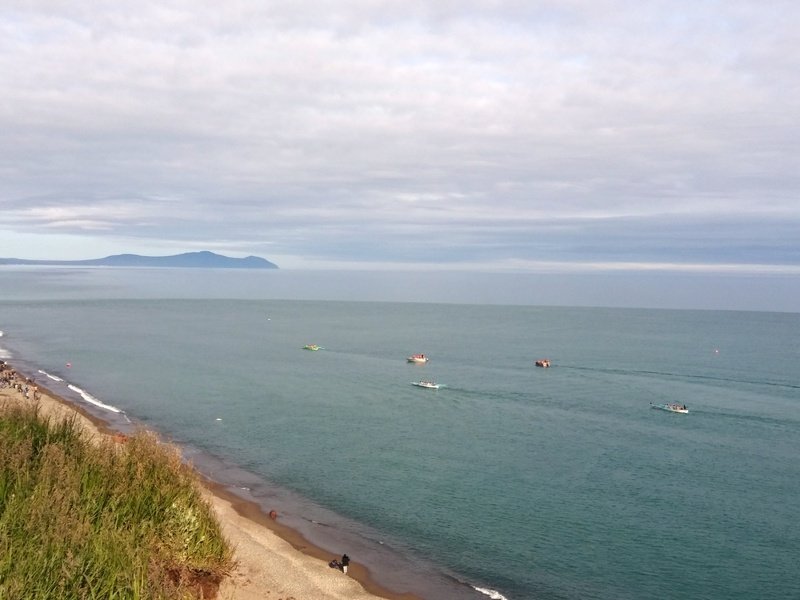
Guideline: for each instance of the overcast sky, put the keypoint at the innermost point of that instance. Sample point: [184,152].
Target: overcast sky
[554,135]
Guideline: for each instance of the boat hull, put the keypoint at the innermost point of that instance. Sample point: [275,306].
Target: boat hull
[426,385]
[671,408]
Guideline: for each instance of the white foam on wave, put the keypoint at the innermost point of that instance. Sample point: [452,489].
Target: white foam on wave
[493,594]
[53,377]
[3,352]
[91,399]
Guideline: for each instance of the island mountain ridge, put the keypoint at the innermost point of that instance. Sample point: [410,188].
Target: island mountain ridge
[203,259]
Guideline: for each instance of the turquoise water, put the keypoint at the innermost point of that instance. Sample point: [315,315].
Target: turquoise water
[533,483]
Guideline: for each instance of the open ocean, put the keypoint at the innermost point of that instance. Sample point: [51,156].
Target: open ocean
[510,481]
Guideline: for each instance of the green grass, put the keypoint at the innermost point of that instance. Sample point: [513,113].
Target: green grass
[87,520]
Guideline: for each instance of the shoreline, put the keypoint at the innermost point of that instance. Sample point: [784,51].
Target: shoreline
[271,557]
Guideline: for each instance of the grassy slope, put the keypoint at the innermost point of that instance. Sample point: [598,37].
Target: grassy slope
[107,520]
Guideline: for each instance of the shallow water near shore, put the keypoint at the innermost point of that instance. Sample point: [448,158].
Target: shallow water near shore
[532,483]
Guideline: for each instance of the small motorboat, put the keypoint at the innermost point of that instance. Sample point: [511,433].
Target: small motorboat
[312,347]
[419,359]
[426,384]
[542,362]
[671,407]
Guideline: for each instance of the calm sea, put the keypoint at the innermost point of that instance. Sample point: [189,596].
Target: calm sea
[510,481]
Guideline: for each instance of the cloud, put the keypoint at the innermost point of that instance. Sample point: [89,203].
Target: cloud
[353,130]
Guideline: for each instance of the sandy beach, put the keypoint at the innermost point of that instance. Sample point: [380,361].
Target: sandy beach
[272,561]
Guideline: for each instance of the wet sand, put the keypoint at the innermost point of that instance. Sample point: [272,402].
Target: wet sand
[273,561]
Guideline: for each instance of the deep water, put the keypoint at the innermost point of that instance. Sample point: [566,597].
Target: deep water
[557,483]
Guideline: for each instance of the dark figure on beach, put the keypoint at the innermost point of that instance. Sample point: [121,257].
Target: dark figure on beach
[345,562]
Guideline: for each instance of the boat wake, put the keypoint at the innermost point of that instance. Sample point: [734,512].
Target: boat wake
[689,377]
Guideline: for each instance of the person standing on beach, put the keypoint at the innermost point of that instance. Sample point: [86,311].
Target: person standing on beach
[345,562]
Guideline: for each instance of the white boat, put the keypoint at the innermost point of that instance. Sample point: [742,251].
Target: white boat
[426,384]
[671,407]
[417,358]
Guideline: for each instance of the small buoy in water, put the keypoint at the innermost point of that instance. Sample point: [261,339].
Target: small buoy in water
[219,418]
[69,365]
[273,514]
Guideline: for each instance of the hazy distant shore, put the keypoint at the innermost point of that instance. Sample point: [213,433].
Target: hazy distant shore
[202,260]
[272,558]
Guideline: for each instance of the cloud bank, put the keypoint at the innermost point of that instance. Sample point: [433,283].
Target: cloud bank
[410,133]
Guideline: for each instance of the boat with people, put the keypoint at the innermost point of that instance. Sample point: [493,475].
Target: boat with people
[419,359]
[542,362]
[671,407]
[427,384]
[312,347]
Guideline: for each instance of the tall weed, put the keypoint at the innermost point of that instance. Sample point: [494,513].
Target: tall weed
[100,520]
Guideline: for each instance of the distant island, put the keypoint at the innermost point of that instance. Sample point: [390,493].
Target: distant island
[203,260]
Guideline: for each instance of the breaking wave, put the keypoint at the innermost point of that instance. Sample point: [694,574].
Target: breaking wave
[92,400]
[493,594]
[53,377]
